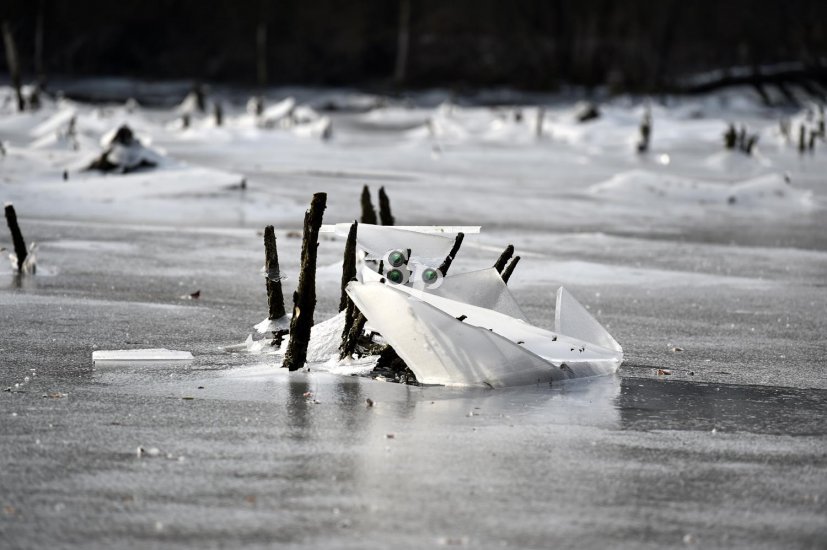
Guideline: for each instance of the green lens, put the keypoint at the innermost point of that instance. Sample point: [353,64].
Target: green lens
[395,276]
[396,258]
[430,275]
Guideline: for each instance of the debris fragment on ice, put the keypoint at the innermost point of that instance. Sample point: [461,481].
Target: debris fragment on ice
[257,346]
[159,354]
[273,325]
[278,112]
[487,348]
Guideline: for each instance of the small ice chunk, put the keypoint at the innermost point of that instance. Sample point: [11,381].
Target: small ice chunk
[160,354]
[273,325]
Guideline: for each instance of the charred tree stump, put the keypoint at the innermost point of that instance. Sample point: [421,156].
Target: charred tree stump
[350,313]
[304,299]
[348,264]
[348,346]
[385,216]
[506,275]
[368,212]
[452,254]
[275,296]
[20,249]
[13,63]
[499,265]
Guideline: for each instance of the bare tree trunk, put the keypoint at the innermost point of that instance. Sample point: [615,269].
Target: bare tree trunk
[20,249]
[402,42]
[13,63]
[304,299]
[39,69]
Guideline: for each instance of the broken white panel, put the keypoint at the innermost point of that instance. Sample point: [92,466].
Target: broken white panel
[278,111]
[484,288]
[342,229]
[378,240]
[440,349]
[159,354]
[554,347]
[572,319]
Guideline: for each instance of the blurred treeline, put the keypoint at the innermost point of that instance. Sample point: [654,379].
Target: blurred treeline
[636,45]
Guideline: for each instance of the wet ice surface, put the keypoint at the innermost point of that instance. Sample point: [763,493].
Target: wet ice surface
[730,456]
[726,451]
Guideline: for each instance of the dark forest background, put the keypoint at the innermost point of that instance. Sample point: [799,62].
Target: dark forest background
[532,44]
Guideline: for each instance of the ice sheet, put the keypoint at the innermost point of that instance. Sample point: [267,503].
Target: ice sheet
[159,354]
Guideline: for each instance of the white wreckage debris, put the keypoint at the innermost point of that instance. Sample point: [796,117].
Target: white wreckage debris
[302,120]
[466,329]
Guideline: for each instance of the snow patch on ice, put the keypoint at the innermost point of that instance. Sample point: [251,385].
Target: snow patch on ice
[639,186]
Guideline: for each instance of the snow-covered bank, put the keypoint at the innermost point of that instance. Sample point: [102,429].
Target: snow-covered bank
[440,162]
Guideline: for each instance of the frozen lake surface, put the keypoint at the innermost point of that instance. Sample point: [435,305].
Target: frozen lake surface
[726,451]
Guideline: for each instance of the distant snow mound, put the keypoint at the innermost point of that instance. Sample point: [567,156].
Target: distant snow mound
[647,188]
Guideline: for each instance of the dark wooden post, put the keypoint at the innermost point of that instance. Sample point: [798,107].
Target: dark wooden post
[452,254]
[385,216]
[730,137]
[13,63]
[645,132]
[304,299]
[368,212]
[348,264]
[275,296]
[499,265]
[510,269]
[20,249]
